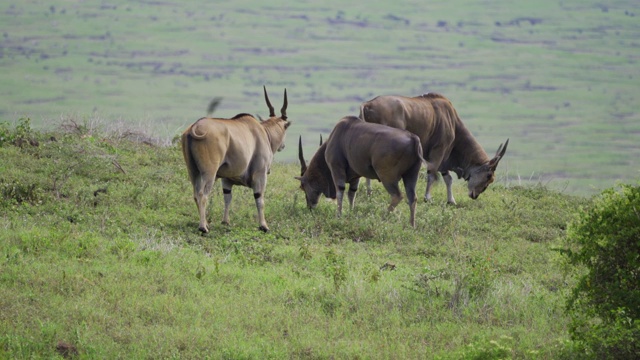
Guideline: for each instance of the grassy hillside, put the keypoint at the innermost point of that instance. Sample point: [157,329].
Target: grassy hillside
[559,78]
[100,256]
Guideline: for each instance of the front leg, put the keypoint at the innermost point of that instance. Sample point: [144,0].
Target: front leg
[339,195]
[448,180]
[432,177]
[226,191]
[338,167]
[353,188]
[338,180]
[433,164]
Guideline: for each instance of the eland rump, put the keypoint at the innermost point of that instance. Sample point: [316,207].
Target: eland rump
[446,142]
[238,150]
[358,149]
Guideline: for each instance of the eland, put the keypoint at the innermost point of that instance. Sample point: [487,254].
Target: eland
[239,151]
[358,149]
[447,144]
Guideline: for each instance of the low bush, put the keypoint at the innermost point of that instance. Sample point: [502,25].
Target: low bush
[605,304]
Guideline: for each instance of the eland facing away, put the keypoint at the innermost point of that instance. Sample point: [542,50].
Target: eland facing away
[358,149]
[446,142]
[238,150]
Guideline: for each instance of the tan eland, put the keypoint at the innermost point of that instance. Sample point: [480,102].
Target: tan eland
[239,151]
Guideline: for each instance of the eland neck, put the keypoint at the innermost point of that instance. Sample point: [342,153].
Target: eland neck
[275,133]
[466,153]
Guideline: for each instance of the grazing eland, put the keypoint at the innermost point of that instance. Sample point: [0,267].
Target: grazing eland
[238,150]
[447,144]
[358,149]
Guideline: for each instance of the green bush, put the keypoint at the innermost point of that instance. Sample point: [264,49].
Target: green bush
[605,304]
[20,135]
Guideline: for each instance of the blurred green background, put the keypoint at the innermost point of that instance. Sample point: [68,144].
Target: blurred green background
[559,78]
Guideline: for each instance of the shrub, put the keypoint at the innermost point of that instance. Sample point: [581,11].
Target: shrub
[605,304]
[20,135]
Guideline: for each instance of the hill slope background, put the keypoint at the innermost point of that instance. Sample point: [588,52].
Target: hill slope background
[100,256]
[559,78]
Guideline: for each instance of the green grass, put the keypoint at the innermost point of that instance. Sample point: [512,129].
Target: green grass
[99,250]
[560,79]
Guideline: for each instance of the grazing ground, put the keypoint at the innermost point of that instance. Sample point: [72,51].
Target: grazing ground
[100,258]
[559,78]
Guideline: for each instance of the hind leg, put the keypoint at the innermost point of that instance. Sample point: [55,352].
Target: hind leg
[259,185]
[410,181]
[434,161]
[394,190]
[228,196]
[432,176]
[353,188]
[201,189]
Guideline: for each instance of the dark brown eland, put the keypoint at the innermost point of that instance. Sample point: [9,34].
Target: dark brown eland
[238,150]
[447,143]
[358,149]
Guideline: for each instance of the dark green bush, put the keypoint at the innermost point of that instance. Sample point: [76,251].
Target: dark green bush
[605,304]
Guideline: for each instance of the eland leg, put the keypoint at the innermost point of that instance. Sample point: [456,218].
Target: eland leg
[201,189]
[448,180]
[394,190]
[435,159]
[353,188]
[259,185]
[339,196]
[432,177]
[228,196]
[410,180]
[338,173]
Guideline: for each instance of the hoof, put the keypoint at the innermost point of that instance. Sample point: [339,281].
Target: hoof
[226,223]
[203,229]
[263,228]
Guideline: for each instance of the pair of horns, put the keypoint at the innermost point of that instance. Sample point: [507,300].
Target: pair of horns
[272,112]
[499,154]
